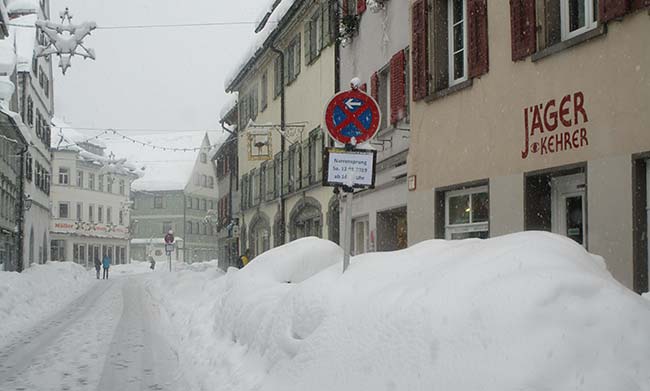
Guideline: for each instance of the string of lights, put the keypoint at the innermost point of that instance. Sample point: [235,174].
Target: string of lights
[158,26]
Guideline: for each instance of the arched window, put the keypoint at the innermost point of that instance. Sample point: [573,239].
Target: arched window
[259,235]
[306,219]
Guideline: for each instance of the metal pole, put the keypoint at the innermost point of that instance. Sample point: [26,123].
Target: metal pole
[347,230]
[170,261]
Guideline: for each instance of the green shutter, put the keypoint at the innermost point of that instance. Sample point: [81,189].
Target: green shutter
[308,53]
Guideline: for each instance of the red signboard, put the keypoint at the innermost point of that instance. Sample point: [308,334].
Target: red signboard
[352,117]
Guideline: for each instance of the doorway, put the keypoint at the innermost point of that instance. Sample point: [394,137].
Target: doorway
[360,228]
[568,203]
[392,232]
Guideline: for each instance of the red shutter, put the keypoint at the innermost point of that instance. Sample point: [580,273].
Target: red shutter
[364,87]
[522,28]
[419,46]
[374,86]
[397,85]
[612,9]
[477,30]
[361,6]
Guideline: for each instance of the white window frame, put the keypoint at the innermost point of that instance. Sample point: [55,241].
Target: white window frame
[450,37]
[361,248]
[64,176]
[67,205]
[451,229]
[591,21]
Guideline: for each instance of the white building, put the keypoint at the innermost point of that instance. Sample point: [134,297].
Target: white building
[34,100]
[90,201]
[376,50]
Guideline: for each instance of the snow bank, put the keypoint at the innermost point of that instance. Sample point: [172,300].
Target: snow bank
[36,293]
[528,311]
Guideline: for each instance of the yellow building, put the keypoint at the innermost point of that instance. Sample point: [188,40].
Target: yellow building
[283,88]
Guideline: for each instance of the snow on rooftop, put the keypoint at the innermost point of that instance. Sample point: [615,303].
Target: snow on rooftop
[164,170]
[25,41]
[22,6]
[230,104]
[260,38]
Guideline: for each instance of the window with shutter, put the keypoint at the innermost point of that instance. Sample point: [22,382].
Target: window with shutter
[397,85]
[477,31]
[309,54]
[419,25]
[361,6]
[522,28]
[277,167]
[306,163]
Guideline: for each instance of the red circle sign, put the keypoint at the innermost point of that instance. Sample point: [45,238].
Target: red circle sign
[352,117]
[169,238]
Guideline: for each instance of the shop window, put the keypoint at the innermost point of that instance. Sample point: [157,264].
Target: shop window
[467,213]
[57,250]
[79,253]
[556,202]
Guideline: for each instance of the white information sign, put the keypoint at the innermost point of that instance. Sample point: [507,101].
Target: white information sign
[354,168]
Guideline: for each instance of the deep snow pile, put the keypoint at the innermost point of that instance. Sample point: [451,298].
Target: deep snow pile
[36,293]
[528,311]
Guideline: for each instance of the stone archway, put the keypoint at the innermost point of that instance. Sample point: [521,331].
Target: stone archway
[306,219]
[259,234]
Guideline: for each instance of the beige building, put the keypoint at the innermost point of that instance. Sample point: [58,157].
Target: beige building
[533,115]
[283,89]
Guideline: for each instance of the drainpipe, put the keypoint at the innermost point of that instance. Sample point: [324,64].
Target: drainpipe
[282,142]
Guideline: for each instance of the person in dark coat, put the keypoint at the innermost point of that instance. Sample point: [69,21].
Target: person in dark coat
[98,265]
[106,263]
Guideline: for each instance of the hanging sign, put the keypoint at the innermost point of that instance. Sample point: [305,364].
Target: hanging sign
[352,117]
[354,169]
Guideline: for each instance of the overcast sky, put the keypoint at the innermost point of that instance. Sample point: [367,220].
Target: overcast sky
[168,78]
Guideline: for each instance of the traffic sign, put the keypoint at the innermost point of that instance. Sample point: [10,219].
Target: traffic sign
[169,248]
[352,117]
[169,238]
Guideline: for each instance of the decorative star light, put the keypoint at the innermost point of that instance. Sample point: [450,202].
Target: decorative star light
[65,40]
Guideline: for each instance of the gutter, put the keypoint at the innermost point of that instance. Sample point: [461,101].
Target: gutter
[282,142]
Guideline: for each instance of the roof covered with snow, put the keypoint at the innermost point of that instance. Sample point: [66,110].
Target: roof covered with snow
[278,9]
[22,6]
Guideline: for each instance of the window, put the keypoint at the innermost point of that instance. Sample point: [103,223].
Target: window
[253,103]
[270,180]
[265,91]
[204,181]
[204,157]
[79,253]
[467,213]
[292,60]
[91,181]
[443,31]
[109,185]
[188,202]
[30,111]
[197,179]
[578,16]
[188,227]
[277,77]
[157,202]
[211,182]
[197,229]
[120,216]
[313,37]
[244,191]
[64,176]
[109,215]
[203,204]
[80,216]
[122,187]
[100,214]
[101,183]
[57,250]
[63,210]
[360,228]
[91,215]
[29,166]
[80,179]
[195,204]
[166,227]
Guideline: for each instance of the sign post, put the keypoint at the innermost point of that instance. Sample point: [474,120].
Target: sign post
[352,118]
[169,247]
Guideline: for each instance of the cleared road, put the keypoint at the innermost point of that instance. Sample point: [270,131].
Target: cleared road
[106,340]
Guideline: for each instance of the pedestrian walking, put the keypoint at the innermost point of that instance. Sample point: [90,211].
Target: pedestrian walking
[152,262]
[106,263]
[98,265]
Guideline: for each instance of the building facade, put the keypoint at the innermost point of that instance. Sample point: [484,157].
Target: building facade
[34,100]
[184,209]
[533,115]
[225,161]
[90,203]
[283,89]
[377,52]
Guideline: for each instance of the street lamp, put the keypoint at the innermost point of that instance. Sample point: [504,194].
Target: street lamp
[27,202]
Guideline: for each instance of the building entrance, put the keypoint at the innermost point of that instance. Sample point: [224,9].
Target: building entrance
[569,207]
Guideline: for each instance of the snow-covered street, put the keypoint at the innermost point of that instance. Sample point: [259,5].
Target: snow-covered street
[107,339]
